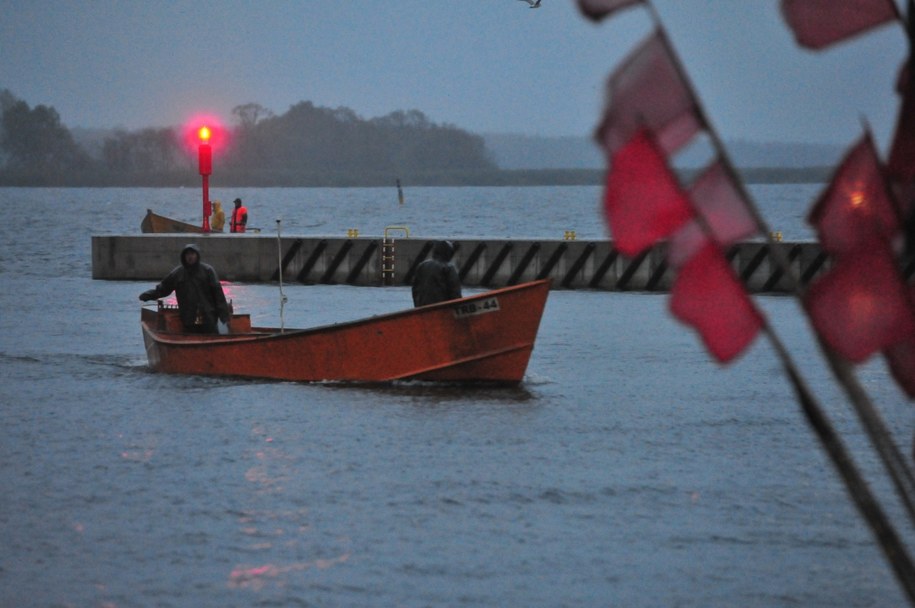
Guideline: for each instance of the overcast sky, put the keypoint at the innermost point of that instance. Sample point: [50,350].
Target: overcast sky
[488,66]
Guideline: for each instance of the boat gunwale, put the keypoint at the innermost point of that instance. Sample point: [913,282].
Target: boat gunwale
[257,334]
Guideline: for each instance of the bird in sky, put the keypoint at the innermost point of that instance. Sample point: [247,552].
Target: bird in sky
[533,3]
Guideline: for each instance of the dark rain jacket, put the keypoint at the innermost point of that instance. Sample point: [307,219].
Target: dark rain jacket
[198,292]
[436,279]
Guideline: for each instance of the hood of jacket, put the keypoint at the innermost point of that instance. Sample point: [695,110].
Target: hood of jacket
[443,250]
[190,247]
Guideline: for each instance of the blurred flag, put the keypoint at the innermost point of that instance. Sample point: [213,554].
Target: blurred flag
[599,9]
[707,295]
[651,113]
[818,23]
[721,205]
[643,200]
[857,205]
[648,90]
[860,305]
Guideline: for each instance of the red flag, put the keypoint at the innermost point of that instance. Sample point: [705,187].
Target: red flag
[856,206]
[598,9]
[819,23]
[721,204]
[707,295]
[648,90]
[643,200]
[860,306]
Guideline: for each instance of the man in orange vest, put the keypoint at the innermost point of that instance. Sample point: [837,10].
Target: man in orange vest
[239,217]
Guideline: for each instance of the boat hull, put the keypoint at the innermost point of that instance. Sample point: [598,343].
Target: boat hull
[159,224]
[487,337]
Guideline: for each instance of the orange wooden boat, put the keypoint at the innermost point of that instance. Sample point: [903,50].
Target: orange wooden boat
[486,337]
[159,224]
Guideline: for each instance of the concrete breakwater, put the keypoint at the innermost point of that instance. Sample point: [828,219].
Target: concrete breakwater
[377,261]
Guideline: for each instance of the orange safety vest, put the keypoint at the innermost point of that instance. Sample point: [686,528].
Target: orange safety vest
[237,215]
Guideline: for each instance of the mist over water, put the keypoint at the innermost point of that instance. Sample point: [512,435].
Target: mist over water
[626,470]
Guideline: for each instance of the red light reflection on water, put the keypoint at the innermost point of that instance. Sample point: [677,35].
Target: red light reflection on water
[256,577]
[267,529]
[228,289]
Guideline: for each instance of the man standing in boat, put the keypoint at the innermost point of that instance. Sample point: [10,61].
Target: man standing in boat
[239,220]
[218,219]
[436,279]
[201,301]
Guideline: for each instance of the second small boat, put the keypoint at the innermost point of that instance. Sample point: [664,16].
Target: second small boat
[159,224]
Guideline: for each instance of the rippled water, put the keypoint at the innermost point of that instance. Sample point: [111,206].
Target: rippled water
[627,469]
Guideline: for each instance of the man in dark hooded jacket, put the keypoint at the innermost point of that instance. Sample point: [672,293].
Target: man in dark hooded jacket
[201,300]
[436,279]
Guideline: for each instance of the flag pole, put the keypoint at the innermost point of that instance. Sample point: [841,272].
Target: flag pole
[876,428]
[857,488]
[877,432]
[909,21]
[910,26]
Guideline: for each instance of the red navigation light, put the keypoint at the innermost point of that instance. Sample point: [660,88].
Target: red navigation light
[206,159]
[205,132]
[204,129]
[205,151]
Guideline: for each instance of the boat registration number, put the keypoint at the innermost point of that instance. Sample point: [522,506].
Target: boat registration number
[478,307]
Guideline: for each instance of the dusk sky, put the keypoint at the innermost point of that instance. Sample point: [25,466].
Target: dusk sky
[488,66]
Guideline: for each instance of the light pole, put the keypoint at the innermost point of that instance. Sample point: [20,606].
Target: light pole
[205,158]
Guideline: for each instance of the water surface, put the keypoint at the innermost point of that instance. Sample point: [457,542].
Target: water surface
[626,470]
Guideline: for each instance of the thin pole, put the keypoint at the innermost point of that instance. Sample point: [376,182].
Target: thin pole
[206,203]
[879,435]
[279,258]
[877,431]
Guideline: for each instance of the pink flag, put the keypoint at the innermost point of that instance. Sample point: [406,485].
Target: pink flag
[819,23]
[648,90]
[598,9]
[860,306]
[856,205]
[643,200]
[726,213]
[707,295]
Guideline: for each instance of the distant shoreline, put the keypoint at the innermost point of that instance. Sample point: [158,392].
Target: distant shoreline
[514,177]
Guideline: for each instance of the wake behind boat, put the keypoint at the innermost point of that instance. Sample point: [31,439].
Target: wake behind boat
[486,337]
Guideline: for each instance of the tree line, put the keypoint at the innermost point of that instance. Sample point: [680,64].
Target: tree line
[307,145]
